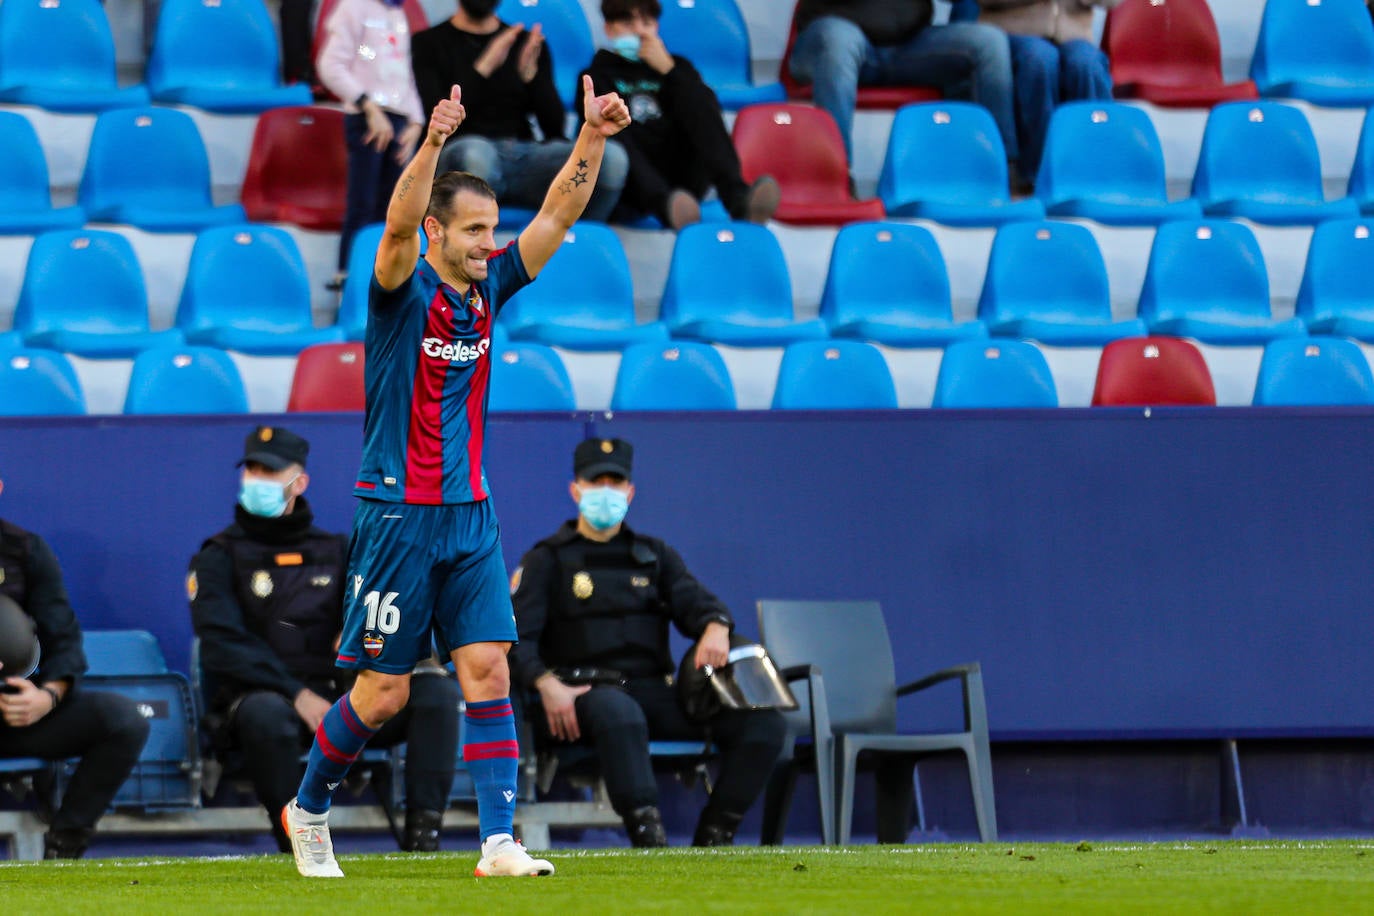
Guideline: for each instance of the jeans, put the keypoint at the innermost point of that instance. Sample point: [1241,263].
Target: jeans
[1047,74]
[834,56]
[520,171]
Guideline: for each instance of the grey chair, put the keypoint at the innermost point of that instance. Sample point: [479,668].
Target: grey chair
[840,652]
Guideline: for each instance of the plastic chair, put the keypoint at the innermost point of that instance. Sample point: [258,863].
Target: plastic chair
[801,147]
[36,383]
[994,373]
[281,185]
[834,375]
[529,376]
[1103,161]
[841,653]
[1168,53]
[25,197]
[682,375]
[1322,52]
[328,377]
[713,36]
[562,309]
[1337,292]
[1152,371]
[753,310]
[1206,280]
[246,289]
[71,68]
[185,380]
[567,35]
[10,340]
[1259,161]
[1361,187]
[1046,281]
[1313,372]
[945,161]
[416,17]
[867,97]
[221,56]
[148,167]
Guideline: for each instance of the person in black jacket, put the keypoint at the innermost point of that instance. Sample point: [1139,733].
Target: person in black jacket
[593,602]
[267,605]
[46,713]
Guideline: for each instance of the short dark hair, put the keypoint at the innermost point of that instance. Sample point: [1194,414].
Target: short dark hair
[620,10]
[448,186]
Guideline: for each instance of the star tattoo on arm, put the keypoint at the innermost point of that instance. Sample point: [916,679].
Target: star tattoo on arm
[578,179]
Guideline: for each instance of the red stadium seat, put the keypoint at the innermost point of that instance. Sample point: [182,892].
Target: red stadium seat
[329,377]
[415,15]
[881,97]
[1169,53]
[297,168]
[1152,371]
[800,146]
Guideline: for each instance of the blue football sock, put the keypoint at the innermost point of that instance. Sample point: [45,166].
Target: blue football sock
[493,758]
[338,742]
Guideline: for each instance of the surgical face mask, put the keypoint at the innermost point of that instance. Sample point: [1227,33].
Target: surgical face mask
[478,9]
[603,507]
[266,498]
[627,46]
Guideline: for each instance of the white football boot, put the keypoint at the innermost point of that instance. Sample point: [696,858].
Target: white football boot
[504,857]
[310,842]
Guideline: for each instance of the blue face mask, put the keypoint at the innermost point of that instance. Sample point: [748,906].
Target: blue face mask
[266,498]
[603,507]
[627,46]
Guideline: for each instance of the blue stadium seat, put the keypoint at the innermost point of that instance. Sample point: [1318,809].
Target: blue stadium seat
[1206,280]
[833,375]
[36,383]
[148,167]
[1361,187]
[362,254]
[566,308]
[185,380]
[1337,292]
[713,36]
[25,196]
[83,293]
[529,376]
[1046,281]
[221,56]
[247,290]
[945,161]
[1321,51]
[9,340]
[71,68]
[1314,371]
[1259,161]
[681,375]
[994,373]
[567,35]
[1103,162]
[119,653]
[728,283]
[887,283]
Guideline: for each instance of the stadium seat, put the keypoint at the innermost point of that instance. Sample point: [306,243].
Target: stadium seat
[945,162]
[713,36]
[868,97]
[328,377]
[562,309]
[994,373]
[529,376]
[185,380]
[352,316]
[36,383]
[801,147]
[682,375]
[887,283]
[1259,161]
[25,196]
[280,185]
[1337,292]
[246,289]
[834,375]
[1152,371]
[840,651]
[84,294]
[1206,280]
[416,17]
[71,68]
[9,340]
[222,56]
[1321,51]
[1361,187]
[754,309]
[566,34]
[1103,162]
[1046,281]
[148,167]
[1313,372]
[1168,52]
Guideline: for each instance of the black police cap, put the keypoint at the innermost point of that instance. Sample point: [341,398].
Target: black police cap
[275,448]
[594,457]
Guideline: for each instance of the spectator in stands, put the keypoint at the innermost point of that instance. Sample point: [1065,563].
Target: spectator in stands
[507,77]
[267,604]
[296,37]
[365,61]
[45,713]
[677,143]
[593,602]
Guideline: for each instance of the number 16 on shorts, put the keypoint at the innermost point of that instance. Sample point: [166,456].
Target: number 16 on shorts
[383,616]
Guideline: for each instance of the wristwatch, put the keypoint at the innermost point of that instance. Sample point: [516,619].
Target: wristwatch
[358,102]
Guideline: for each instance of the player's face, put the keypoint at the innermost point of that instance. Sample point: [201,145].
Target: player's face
[469,238]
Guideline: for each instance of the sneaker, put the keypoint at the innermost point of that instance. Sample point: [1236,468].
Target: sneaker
[504,857]
[310,842]
[682,210]
[762,199]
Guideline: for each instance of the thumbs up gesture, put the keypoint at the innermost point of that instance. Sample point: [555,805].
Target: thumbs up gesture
[448,114]
[607,113]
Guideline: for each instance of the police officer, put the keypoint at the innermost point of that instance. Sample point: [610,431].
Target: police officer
[267,604]
[46,714]
[593,602]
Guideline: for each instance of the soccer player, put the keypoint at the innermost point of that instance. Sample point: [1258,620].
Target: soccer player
[425,555]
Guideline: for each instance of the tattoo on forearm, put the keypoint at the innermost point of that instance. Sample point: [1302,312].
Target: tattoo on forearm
[579,178]
[404,189]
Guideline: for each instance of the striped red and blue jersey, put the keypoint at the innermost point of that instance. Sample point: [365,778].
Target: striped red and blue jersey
[426,378]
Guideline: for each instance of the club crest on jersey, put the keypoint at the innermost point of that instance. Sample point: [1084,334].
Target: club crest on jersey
[475,302]
[459,352]
[373,645]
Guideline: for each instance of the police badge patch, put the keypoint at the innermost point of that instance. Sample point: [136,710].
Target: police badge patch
[582,585]
[261,584]
[192,584]
[515,579]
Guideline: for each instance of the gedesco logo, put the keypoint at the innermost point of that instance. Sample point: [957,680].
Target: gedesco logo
[459,352]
